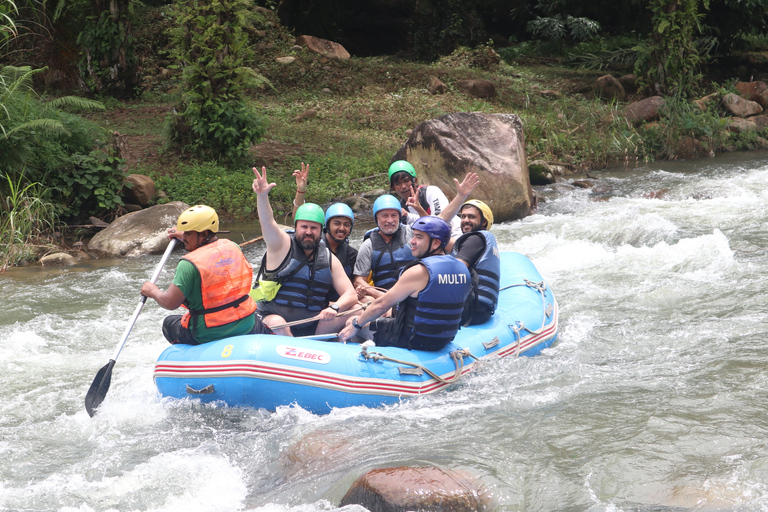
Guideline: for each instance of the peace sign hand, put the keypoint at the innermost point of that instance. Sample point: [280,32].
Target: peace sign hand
[260,185]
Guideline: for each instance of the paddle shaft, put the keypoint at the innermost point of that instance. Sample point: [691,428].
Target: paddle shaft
[98,390]
[308,320]
[143,300]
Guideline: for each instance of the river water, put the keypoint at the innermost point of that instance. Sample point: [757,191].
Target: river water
[654,397]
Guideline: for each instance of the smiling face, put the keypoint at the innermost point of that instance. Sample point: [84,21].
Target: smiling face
[308,234]
[421,244]
[339,227]
[388,221]
[404,185]
[471,219]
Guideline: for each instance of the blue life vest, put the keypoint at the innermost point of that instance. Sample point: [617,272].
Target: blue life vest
[486,272]
[305,282]
[387,259]
[431,320]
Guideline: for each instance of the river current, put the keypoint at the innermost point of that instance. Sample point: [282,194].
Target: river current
[654,397]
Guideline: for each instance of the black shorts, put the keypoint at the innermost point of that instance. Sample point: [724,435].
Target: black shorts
[175,333]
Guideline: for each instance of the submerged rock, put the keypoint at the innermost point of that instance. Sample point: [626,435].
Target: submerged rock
[424,489]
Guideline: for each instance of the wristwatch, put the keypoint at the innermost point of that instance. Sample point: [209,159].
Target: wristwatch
[334,307]
[355,324]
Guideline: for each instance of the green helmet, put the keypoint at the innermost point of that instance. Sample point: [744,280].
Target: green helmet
[310,212]
[401,166]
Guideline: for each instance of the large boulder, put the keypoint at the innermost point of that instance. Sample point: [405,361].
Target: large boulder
[740,107]
[138,233]
[754,91]
[323,47]
[644,110]
[141,189]
[609,88]
[492,145]
[416,488]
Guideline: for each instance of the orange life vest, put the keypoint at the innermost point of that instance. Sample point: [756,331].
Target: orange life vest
[225,281]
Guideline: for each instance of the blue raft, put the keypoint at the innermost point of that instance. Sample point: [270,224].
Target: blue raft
[267,371]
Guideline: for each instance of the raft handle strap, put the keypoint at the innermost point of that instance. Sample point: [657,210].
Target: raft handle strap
[540,287]
[207,390]
[457,356]
[490,344]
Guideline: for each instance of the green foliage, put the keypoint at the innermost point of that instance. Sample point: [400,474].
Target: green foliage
[24,219]
[215,120]
[563,27]
[481,57]
[669,62]
[211,184]
[109,64]
[441,26]
[90,184]
[681,121]
[7,25]
[44,143]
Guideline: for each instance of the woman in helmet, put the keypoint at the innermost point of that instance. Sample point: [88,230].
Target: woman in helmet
[431,292]
[417,200]
[212,282]
[305,269]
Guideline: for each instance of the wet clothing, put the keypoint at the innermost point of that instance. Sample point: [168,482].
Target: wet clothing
[481,254]
[221,271]
[430,320]
[384,259]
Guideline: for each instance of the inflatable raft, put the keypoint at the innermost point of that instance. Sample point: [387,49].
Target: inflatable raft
[268,371]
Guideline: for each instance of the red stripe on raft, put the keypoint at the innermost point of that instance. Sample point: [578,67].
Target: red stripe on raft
[345,383]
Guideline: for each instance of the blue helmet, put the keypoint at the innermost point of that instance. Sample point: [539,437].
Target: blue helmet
[385,202]
[435,227]
[339,210]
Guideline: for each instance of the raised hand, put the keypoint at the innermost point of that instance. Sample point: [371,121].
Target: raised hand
[302,177]
[413,202]
[260,185]
[469,183]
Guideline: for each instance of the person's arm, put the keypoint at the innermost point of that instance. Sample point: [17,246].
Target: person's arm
[169,299]
[343,286]
[411,281]
[302,177]
[463,190]
[278,241]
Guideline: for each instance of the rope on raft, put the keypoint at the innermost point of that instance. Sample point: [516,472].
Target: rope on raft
[518,326]
[457,356]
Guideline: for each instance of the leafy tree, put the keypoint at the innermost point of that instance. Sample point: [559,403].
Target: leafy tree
[108,64]
[669,62]
[441,26]
[215,120]
[41,142]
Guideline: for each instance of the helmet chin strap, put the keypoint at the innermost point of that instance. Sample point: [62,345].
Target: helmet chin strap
[333,237]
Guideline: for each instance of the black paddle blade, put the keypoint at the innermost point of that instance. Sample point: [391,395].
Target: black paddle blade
[99,388]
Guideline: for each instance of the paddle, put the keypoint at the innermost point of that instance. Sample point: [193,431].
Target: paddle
[312,319]
[100,386]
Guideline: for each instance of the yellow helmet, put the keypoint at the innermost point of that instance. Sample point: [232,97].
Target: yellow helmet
[485,211]
[198,218]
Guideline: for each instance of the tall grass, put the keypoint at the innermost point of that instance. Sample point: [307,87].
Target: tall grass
[25,220]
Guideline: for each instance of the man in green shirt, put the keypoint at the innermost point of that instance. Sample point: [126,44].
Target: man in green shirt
[212,281]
